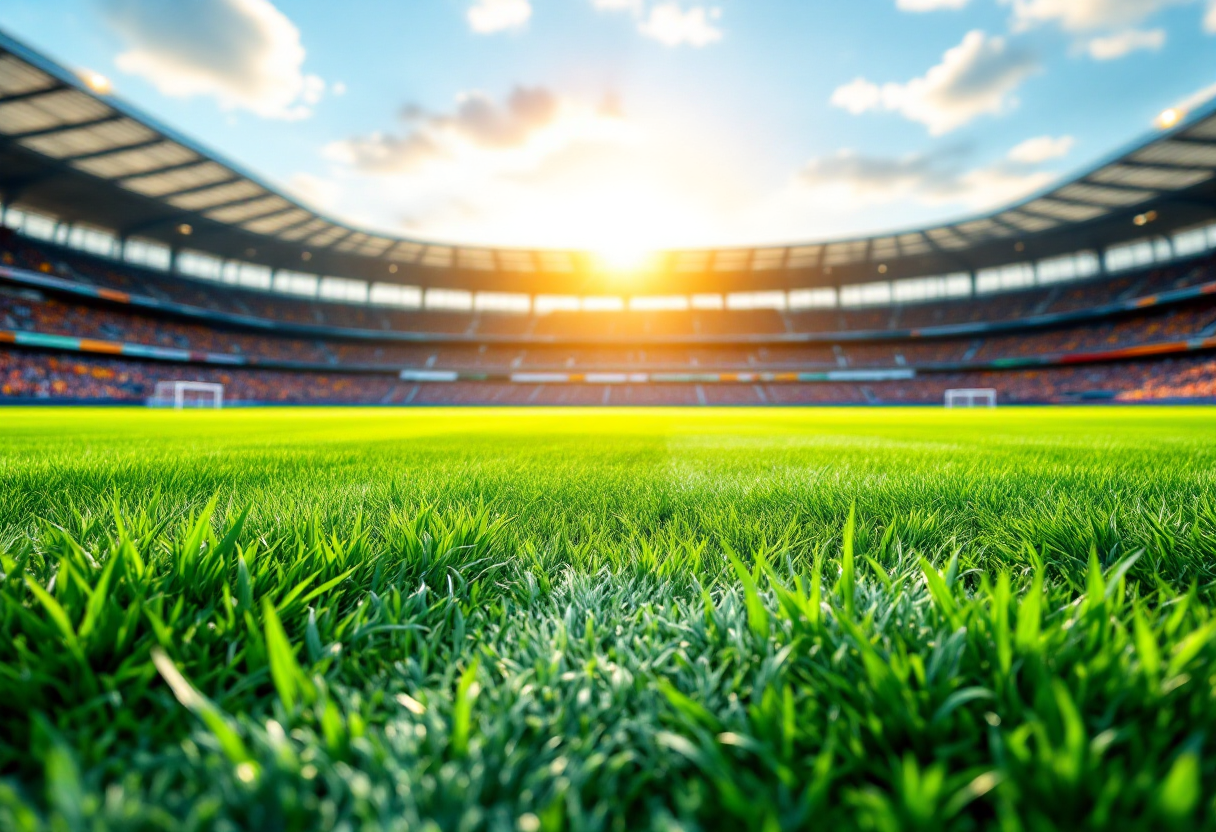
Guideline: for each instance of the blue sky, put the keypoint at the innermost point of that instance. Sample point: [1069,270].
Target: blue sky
[645,123]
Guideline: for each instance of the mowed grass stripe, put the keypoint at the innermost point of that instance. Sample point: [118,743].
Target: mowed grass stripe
[607,619]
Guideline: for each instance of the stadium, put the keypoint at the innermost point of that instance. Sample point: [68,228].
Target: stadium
[528,538]
[134,256]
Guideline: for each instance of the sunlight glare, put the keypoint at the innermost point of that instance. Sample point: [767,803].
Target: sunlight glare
[622,226]
[97,82]
[622,256]
[1169,118]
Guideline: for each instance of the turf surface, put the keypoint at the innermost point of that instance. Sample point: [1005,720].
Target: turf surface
[672,619]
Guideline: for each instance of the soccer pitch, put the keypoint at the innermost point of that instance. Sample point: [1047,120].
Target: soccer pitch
[607,619]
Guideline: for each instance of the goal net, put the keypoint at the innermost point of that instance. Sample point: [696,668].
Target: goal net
[181,394]
[971,397]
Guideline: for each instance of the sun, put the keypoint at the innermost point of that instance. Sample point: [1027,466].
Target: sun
[622,226]
[622,256]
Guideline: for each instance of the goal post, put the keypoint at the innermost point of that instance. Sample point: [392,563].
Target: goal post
[183,394]
[971,397]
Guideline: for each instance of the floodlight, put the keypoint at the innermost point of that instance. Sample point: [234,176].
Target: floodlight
[97,82]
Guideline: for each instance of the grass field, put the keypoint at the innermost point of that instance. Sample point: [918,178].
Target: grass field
[621,620]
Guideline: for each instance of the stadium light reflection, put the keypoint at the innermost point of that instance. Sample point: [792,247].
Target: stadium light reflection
[97,82]
[1169,118]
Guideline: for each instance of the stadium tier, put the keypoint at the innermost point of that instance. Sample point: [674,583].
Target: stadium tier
[1144,335]
[131,256]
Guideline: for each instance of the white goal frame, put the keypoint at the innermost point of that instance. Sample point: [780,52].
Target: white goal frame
[970,397]
[175,392]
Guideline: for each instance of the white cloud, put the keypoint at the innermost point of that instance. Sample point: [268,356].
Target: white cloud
[858,96]
[1109,47]
[993,187]
[975,78]
[668,22]
[929,5]
[535,169]
[1042,149]
[1115,22]
[852,181]
[1086,15]
[244,53]
[314,90]
[317,191]
[589,176]
[478,123]
[634,6]
[489,16]
[672,26]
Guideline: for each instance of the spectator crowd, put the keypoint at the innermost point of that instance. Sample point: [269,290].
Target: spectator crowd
[287,368]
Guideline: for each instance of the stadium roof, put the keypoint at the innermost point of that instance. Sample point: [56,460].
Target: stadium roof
[69,149]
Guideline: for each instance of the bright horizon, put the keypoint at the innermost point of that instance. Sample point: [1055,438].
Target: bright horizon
[626,126]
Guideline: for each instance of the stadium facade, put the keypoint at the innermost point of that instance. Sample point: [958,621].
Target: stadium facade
[131,255]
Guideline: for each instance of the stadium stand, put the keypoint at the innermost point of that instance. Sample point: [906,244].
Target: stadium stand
[338,367]
[117,270]
[31,376]
[1007,307]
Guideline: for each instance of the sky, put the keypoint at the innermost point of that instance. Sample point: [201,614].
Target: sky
[631,125]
